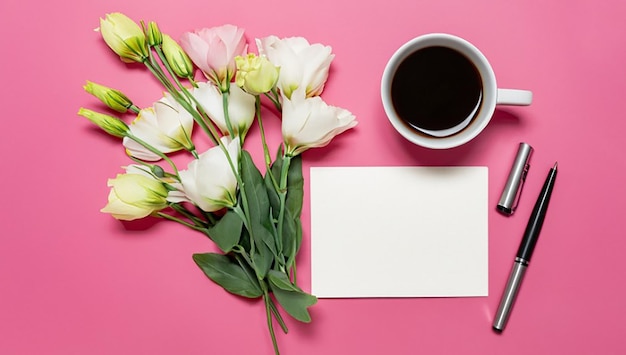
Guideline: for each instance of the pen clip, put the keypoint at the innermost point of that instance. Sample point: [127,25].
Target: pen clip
[518,194]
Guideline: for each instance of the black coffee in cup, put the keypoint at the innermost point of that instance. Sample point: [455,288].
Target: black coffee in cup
[436,88]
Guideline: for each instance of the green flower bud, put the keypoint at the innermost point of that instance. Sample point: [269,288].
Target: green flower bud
[111,125]
[177,58]
[112,98]
[153,34]
[124,37]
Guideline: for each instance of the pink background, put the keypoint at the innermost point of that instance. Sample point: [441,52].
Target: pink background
[76,281]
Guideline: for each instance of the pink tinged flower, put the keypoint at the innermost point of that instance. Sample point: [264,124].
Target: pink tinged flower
[241,107]
[310,122]
[209,181]
[213,50]
[301,64]
[135,195]
[166,126]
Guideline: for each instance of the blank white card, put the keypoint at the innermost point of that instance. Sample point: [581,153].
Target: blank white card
[399,231]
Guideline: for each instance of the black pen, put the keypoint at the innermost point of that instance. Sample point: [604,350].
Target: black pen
[524,252]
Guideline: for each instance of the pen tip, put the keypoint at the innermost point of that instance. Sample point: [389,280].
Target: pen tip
[555,165]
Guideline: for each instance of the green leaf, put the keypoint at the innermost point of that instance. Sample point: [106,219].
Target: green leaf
[227,272]
[269,185]
[290,234]
[259,210]
[263,257]
[281,281]
[295,187]
[293,300]
[295,196]
[272,194]
[253,187]
[292,226]
[294,247]
[226,232]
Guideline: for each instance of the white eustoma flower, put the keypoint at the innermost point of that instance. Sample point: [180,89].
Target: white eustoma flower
[166,126]
[310,122]
[241,108]
[209,181]
[135,195]
[301,64]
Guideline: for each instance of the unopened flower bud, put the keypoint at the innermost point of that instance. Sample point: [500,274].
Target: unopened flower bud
[177,58]
[124,37]
[157,171]
[153,34]
[114,99]
[111,125]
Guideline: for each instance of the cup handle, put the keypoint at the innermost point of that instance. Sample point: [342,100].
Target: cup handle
[514,97]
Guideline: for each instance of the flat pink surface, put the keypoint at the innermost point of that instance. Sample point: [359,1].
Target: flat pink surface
[76,281]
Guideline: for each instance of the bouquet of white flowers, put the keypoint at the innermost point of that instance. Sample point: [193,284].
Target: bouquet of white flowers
[253,218]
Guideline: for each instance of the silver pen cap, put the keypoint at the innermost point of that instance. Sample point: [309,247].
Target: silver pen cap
[514,184]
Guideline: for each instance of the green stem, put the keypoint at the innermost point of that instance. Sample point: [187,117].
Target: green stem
[210,218]
[185,212]
[209,129]
[294,273]
[269,303]
[178,220]
[282,194]
[134,109]
[154,150]
[239,211]
[155,70]
[201,117]
[268,313]
[266,152]
[278,317]
[167,66]
[246,222]
[241,251]
[225,95]
[185,98]
[275,99]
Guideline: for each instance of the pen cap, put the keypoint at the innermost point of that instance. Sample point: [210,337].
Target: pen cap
[515,182]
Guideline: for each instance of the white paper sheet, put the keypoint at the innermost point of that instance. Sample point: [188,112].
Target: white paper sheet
[399,231]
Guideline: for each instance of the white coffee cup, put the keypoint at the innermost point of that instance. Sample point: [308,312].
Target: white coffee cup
[475,121]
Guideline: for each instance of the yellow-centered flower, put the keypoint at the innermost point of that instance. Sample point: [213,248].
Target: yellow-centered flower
[255,74]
